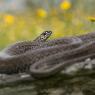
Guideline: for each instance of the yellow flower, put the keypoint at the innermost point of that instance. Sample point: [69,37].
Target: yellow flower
[65,5]
[9,19]
[92,19]
[41,13]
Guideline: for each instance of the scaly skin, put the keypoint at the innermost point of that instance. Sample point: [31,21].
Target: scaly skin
[23,46]
[57,62]
[39,42]
[52,66]
[21,61]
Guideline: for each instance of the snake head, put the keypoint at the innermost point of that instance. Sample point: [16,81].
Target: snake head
[45,35]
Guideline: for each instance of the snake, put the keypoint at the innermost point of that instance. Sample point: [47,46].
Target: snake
[27,56]
[23,46]
[57,62]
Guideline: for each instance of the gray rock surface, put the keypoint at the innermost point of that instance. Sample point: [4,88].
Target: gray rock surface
[75,80]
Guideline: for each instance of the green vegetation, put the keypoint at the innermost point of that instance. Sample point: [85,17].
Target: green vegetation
[67,18]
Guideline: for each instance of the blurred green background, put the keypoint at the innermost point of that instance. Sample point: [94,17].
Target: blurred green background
[26,19]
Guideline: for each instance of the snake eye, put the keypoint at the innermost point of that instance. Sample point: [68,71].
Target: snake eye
[44,33]
[42,37]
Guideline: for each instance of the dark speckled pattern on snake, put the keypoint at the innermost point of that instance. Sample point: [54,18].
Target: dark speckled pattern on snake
[39,53]
[23,46]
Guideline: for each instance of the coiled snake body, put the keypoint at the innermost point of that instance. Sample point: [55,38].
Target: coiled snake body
[42,58]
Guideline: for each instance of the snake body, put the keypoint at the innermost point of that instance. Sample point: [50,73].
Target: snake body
[59,61]
[31,57]
[23,46]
